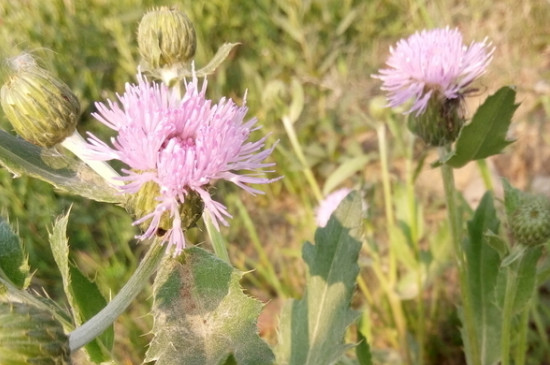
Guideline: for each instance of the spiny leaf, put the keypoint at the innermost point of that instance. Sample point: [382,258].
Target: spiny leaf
[485,135]
[312,329]
[83,296]
[65,173]
[13,260]
[202,315]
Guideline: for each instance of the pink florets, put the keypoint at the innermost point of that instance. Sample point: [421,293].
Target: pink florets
[329,205]
[183,144]
[432,61]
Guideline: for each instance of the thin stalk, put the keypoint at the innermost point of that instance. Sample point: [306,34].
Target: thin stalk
[485,174]
[396,309]
[271,276]
[455,222]
[507,315]
[388,202]
[77,145]
[413,226]
[96,325]
[521,348]
[291,133]
[218,242]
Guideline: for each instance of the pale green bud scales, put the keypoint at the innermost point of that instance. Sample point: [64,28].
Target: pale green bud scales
[41,108]
[166,38]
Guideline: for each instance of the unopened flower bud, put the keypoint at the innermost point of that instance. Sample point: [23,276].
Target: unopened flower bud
[29,335]
[530,220]
[440,123]
[166,37]
[41,108]
[146,201]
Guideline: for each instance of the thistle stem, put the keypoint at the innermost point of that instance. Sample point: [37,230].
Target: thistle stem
[455,223]
[102,320]
[77,145]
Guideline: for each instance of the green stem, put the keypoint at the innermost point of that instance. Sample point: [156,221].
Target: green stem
[388,202]
[521,348]
[413,226]
[455,222]
[102,320]
[485,174]
[218,243]
[508,314]
[293,138]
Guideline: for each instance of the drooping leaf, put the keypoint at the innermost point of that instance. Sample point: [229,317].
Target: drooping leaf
[216,61]
[83,296]
[202,315]
[13,261]
[344,171]
[483,263]
[486,134]
[312,329]
[63,172]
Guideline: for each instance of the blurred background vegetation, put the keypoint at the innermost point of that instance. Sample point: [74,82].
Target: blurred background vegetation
[310,60]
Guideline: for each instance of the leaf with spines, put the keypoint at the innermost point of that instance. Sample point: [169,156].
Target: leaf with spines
[312,329]
[13,260]
[486,134]
[83,296]
[63,172]
[202,315]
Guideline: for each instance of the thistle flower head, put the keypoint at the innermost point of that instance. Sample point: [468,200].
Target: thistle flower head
[175,149]
[41,108]
[432,64]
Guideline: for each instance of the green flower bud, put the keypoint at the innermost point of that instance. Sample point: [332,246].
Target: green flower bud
[530,219]
[29,335]
[41,108]
[440,123]
[145,201]
[166,38]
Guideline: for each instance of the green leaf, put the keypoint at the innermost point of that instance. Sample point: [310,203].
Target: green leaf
[83,296]
[65,173]
[202,315]
[312,329]
[344,171]
[13,261]
[217,60]
[483,264]
[485,135]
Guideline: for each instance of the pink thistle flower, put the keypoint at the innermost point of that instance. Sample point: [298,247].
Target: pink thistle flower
[183,145]
[432,63]
[329,205]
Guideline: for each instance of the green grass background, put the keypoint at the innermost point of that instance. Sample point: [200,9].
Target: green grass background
[321,52]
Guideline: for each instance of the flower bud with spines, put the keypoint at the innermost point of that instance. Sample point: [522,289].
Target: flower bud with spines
[41,108]
[440,124]
[166,38]
[530,221]
[29,335]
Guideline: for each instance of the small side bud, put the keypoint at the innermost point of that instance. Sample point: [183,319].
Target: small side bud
[166,38]
[29,335]
[530,221]
[440,123]
[41,108]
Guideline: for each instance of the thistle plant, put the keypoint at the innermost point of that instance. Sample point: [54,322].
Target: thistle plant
[175,151]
